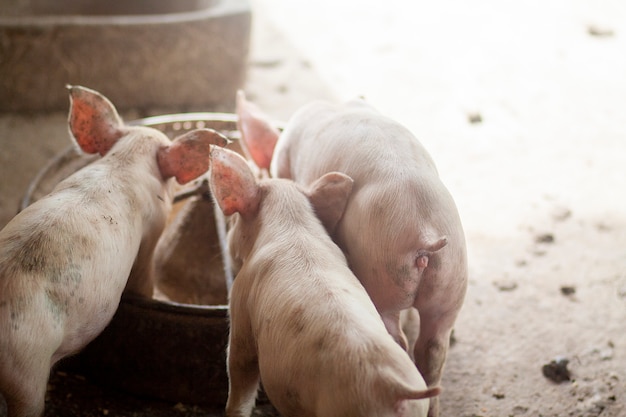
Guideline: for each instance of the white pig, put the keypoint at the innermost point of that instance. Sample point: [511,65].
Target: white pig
[401,230]
[300,320]
[65,259]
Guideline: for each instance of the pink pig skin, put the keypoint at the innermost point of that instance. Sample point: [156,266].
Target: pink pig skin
[300,320]
[65,260]
[401,230]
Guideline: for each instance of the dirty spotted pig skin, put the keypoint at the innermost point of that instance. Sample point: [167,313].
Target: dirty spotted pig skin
[300,320]
[401,230]
[65,260]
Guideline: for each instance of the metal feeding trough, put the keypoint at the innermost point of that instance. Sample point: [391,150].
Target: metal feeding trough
[163,54]
[159,349]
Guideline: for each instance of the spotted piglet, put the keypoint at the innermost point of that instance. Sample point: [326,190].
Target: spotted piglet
[300,320]
[65,259]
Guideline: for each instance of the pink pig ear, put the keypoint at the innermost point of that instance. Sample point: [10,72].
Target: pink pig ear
[188,156]
[233,184]
[93,120]
[329,197]
[258,135]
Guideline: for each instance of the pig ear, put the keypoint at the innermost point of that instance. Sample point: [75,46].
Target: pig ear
[233,184]
[329,196]
[93,120]
[258,135]
[188,156]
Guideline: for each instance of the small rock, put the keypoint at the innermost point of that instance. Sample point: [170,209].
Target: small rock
[519,409]
[600,32]
[474,118]
[561,214]
[557,370]
[568,290]
[498,395]
[506,285]
[545,238]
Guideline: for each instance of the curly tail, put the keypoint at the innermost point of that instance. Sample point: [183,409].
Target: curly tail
[424,393]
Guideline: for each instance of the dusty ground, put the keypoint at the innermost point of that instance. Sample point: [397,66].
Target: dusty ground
[522,107]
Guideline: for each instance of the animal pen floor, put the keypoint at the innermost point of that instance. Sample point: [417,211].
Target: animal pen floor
[522,106]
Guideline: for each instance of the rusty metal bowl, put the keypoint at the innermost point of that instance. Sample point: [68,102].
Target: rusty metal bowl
[158,349]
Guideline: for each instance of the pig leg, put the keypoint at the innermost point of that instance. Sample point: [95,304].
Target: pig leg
[243,368]
[24,387]
[243,386]
[410,320]
[392,324]
[430,351]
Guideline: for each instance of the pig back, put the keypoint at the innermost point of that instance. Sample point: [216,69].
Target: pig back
[398,206]
[354,140]
[79,243]
[72,265]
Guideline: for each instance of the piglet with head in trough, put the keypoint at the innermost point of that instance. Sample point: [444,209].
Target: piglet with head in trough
[401,230]
[300,320]
[66,259]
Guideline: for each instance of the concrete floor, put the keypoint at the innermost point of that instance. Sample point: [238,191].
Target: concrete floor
[546,80]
